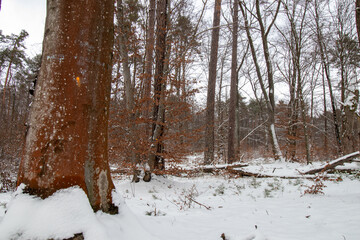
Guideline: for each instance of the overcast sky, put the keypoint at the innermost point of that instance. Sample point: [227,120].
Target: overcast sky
[16,15]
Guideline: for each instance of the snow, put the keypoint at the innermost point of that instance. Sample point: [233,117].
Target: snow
[238,205]
[64,214]
[173,208]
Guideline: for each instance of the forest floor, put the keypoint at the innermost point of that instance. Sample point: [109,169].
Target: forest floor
[208,206]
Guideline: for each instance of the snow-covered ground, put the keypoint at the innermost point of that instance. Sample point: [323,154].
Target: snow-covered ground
[205,207]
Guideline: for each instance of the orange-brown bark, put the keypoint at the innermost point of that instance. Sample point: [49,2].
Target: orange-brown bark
[66,144]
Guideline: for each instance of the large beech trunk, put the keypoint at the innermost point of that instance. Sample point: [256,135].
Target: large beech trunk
[67,140]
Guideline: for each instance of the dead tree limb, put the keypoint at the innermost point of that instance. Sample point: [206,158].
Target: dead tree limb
[331,165]
[210,169]
[242,173]
[200,204]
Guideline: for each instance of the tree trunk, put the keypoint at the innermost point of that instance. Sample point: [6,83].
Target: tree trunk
[149,52]
[67,141]
[271,92]
[325,113]
[268,95]
[155,156]
[210,102]
[233,87]
[303,116]
[129,91]
[322,48]
[297,101]
[357,16]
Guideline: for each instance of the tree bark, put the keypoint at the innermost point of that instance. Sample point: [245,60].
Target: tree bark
[322,48]
[233,86]
[325,113]
[357,16]
[268,95]
[210,102]
[67,141]
[129,91]
[155,157]
[298,102]
[149,52]
[270,78]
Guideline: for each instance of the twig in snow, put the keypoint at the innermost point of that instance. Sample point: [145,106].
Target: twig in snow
[200,204]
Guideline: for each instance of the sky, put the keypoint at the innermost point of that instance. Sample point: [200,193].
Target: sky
[29,15]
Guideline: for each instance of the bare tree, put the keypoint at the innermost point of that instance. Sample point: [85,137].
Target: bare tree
[67,141]
[156,160]
[210,102]
[357,16]
[234,85]
[296,15]
[129,90]
[149,53]
[325,62]
[269,92]
[346,58]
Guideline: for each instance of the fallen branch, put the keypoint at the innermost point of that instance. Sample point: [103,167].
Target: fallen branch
[331,165]
[242,173]
[200,204]
[210,169]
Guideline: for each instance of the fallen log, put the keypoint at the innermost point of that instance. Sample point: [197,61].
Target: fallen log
[242,173]
[331,165]
[210,169]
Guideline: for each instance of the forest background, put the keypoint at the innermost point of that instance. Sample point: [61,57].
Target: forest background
[296,81]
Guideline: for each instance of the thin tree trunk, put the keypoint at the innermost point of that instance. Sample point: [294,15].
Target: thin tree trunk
[268,95]
[357,16]
[297,81]
[293,110]
[149,53]
[233,86]
[155,156]
[237,113]
[325,113]
[270,78]
[66,144]
[210,102]
[327,74]
[303,116]
[129,91]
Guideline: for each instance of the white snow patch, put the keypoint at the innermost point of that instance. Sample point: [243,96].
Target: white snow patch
[65,213]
